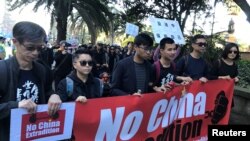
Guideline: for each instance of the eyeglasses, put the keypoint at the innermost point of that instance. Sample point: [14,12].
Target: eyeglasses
[84,63]
[146,48]
[32,48]
[201,44]
[233,51]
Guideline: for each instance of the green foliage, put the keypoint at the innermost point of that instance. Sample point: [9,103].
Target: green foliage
[213,52]
[134,12]
[244,73]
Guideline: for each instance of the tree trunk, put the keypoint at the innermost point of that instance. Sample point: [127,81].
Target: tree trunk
[61,29]
[244,7]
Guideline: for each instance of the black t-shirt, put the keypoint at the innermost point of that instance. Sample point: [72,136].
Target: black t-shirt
[27,87]
[220,68]
[166,75]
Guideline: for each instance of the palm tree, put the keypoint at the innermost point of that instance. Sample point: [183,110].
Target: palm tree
[95,14]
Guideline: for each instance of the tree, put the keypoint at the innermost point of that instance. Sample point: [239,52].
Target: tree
[135,11]
[245,7]
[243,4]
[178,10]
[93,12]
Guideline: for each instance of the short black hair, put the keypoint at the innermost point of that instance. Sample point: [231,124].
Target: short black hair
[164,41]
[28,31]
[143,39]
[79,52]
[196,37]
[227,48]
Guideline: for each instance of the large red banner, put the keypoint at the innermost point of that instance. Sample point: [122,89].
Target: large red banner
[181,114]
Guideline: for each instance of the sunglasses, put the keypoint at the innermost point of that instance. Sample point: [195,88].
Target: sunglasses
[232,51]
[84,63]
[32,48]
[201,44]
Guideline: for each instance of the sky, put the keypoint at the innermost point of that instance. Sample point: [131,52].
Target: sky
[242,27]
[41,17]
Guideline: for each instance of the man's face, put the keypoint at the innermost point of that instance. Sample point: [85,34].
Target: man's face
[130,46]
[28,51]
[168,52]
[62,47]
[200,45]
[144,51]
[98,46]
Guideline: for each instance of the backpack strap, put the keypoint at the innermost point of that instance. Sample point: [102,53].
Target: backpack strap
[157,66]
[69,86]
[219,63]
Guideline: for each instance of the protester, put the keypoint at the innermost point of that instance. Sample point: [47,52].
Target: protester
[47,56]
[63,61]
[132,74]
[226,67]
[83,84]
[24,82]
[165,69]
[193,65]
[101,59]
[129,50]
[113,59]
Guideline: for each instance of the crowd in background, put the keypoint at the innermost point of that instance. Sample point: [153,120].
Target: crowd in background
[64,73]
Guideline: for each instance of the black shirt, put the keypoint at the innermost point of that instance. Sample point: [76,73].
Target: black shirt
[27,87]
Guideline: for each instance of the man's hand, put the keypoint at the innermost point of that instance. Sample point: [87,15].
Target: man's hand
[224,77]
[81,99]
[159,89]
[188,79]
[28,104]
[137,94]
[203,79]
[54,104]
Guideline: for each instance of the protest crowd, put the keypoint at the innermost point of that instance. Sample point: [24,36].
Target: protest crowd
[39,74]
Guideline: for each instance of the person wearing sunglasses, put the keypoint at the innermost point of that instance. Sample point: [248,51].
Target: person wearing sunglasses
[226,67]
[132,74]
[193,65]
[25,82]
[85,85]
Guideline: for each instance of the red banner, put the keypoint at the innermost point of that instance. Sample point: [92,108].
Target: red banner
[42,125]
[182,114]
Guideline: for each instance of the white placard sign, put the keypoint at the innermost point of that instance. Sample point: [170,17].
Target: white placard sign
[131,29]
[166,28]
[41,126]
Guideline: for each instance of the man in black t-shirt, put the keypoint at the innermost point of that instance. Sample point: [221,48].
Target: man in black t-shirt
[25,82]
[164,69]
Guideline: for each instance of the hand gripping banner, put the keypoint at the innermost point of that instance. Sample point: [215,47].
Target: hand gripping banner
[181,114]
